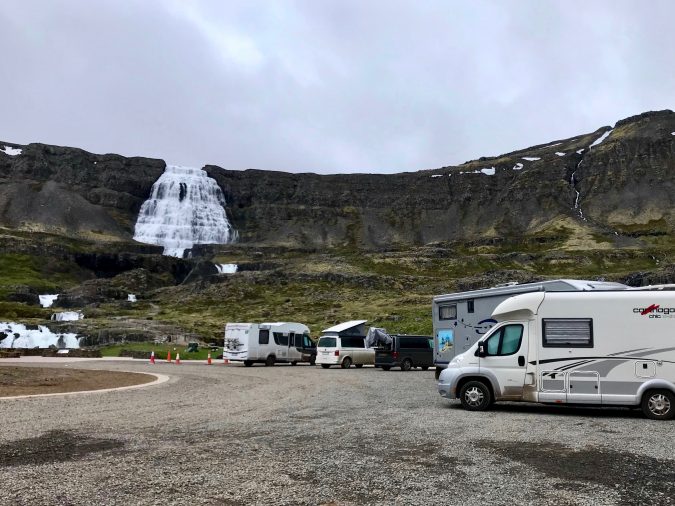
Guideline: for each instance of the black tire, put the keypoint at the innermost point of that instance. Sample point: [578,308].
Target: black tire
[358,366]
[386,367]
[437,375]
[346,363]
[270,361]
[475,396]
[406,365]
[248,363]
[325,366]
[312,360]
[294,363]
[659,404]
[425,367]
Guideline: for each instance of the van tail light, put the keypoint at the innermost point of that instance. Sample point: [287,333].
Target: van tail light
[394,355]
[337,353]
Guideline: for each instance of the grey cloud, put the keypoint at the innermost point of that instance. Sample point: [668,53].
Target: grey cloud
[327,86]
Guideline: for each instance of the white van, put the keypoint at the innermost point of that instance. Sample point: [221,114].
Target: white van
[344,345]
[266,343]
[603,348]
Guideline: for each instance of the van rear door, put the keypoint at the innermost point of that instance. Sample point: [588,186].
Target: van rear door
[506,359]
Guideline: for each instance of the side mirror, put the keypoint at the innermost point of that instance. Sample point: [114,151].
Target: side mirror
[481,350]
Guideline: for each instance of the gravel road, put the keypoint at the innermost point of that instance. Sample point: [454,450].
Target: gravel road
[228,435]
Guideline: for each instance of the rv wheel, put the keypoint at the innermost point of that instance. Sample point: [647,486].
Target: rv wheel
[406,365]
[270,361]
[475,396]
[346,363]
[294,363]
[386,367]
[659,405]
[358,366]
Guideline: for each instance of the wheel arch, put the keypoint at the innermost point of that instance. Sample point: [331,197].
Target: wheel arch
[474,377]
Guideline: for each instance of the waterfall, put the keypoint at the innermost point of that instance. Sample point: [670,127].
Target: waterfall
[186,207]
[16,335]
[67,316]
[226,268]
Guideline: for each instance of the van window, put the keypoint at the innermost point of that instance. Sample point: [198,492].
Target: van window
[568,333]
[307,342]
[280,339]
[327,342]
[469,306]
[415,343]
[447,312]
[353,342]
[505,341]
[264,337]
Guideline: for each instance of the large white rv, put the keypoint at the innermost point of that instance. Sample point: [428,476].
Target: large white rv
[266,343]
[460,319]
[602,348]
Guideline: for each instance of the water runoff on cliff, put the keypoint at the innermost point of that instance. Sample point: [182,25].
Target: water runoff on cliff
[186,207]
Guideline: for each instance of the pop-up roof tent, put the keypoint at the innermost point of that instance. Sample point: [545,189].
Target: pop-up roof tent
[354,328]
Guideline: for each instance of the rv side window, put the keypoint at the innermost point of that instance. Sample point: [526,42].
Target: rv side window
[447,312]
[280,339]
[568,333]
[469,306]
[264,337]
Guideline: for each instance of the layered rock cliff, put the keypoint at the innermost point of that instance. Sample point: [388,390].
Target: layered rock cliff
[619,184]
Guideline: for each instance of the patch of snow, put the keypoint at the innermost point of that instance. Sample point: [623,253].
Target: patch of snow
[488,172]
[437,175]
[227,268]
[48,300]
[531,158]
[11,151]
[552,145]
[560,153]
[579,151]
[67,316]
[672,133]
[601,138]
[131,298]
[518,166]
[18,336]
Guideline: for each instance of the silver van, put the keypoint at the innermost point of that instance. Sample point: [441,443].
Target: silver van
[344,345]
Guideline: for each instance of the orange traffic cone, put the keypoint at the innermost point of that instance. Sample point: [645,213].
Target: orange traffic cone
[225,360]
[168,356]
[177,358]
[208,359]
[152,357]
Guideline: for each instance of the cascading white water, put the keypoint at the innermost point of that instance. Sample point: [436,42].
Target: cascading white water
[227,268]
[186,207]
[18,335]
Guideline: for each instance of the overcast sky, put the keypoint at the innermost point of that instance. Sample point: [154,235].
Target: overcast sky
[327,86]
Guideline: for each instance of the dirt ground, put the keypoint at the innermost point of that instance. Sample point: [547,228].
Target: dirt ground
[43,380]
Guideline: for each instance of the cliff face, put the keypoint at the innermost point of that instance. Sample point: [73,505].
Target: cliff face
[622,185]
[72,192]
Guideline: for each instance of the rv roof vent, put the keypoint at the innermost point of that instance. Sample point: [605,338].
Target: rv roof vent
[509,283]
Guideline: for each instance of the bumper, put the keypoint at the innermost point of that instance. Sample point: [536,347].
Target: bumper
[447,383]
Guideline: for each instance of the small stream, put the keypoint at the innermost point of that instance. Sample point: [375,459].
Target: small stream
[18,335]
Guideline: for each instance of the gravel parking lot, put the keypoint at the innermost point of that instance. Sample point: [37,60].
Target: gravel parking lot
[228,435]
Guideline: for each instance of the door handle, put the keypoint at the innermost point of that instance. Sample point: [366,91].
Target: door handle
[521,361]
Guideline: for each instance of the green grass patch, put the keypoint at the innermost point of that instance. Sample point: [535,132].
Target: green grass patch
[160,350]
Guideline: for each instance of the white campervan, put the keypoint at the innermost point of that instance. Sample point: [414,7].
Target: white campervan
[266,343]
[601,348]
[344,345]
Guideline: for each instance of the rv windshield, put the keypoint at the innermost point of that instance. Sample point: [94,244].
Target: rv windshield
[327,342]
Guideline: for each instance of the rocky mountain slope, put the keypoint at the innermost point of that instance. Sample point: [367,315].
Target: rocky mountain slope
[622,185]
[321,249]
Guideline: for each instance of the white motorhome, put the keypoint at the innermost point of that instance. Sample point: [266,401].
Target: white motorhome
[267,343]
[344,345]
[460,319]
[602,348]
